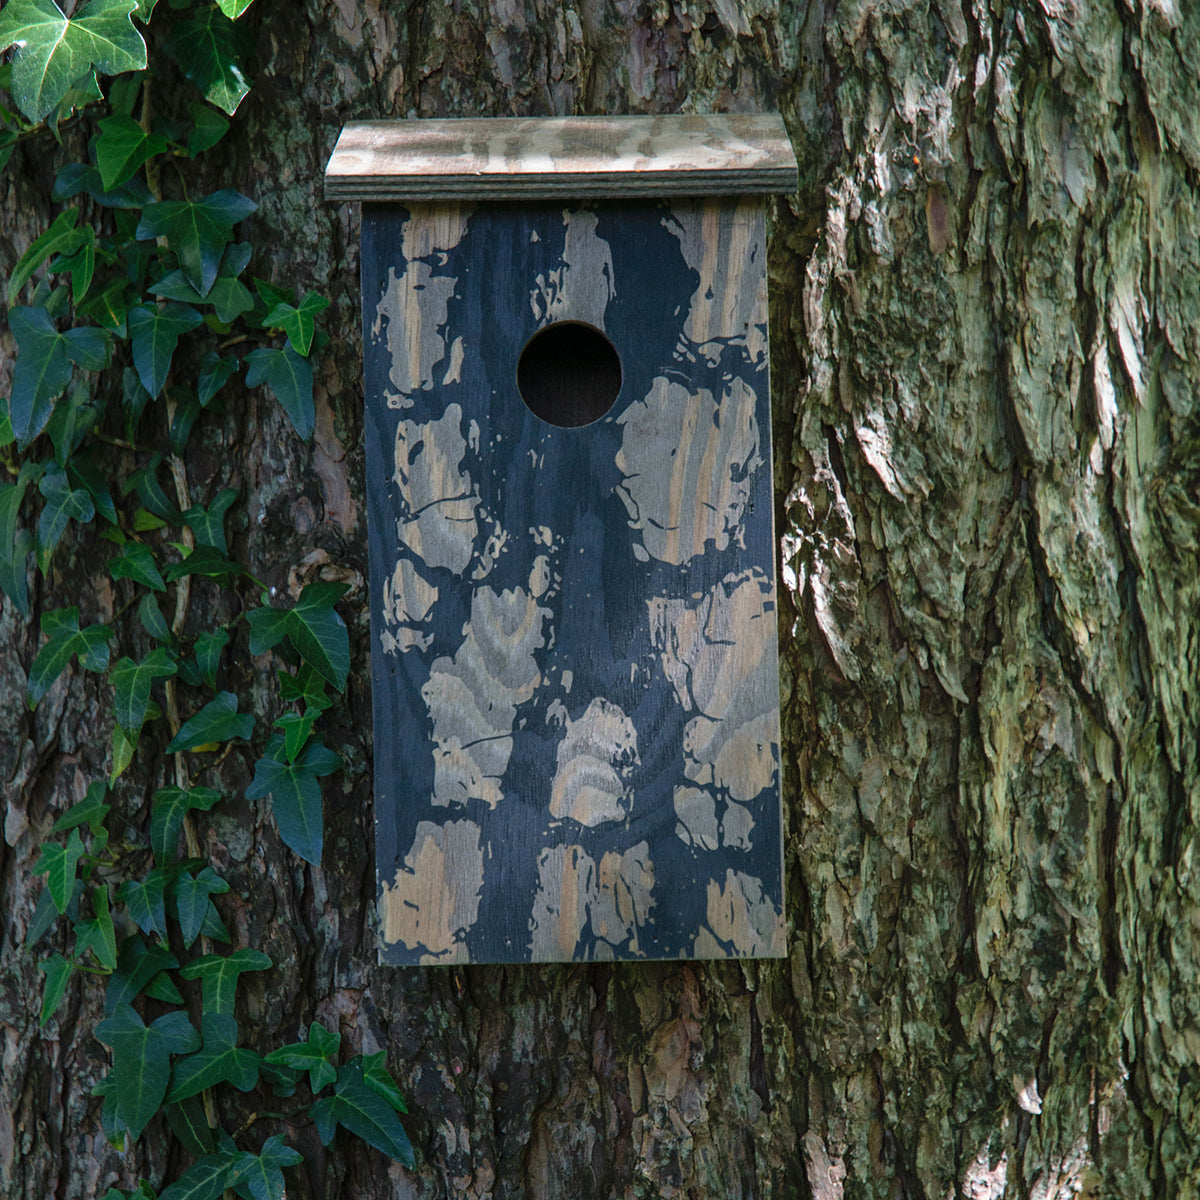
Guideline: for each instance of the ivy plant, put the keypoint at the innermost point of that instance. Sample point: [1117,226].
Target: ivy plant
[135,313]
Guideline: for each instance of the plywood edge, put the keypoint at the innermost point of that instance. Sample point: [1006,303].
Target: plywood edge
[561,157]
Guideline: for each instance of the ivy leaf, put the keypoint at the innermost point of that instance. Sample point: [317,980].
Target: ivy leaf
[70,422]
[43,366]
[74,178]
[197,230]
[192,901]
[136,562]
[64,640]
[295,793]
[146,901]
[171,806]
[214,374]
[218,975]
[365,1113]
[138,966]
[210,128]
[89,811]
[175,286]
[58,864]
[208,524]
[209,49]
[154,334]
[213,927]
[220,1060]
[207,651]
[290,377]
[79,263]
[133,681]
[206,1179]
[204,560]
[145,482]
[189,1123]
[297,321]
[218,721]
[262,1173]
[161,988]
[141,1067]
[98,934]
[296,730]
[153,622]
[124,745]
[13,580]
[317,1056]
[123,146]
[314,628]
[46,914]
[53,52]
[306,685]
[58,973]
[61,234]
[84,91]
[111,1122]
[376,1076]
[234,8]
[15,544]
[229,297]
[64,504]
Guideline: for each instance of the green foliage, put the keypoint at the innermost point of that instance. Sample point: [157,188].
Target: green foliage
[290,377]
[65,640]
[318,1056]
[295,793]
[298,321]
[365,1110]
[58,972]
[58,864]
[262,1174]
[219,973]
[53,52]
[211,50]
[132,682]
[136,323]
[198,231]
[219,1060]
[141,1070]
[154,335]
[43,370]
[313,628]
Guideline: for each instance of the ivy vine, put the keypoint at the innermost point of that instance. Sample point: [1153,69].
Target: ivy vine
[132,313]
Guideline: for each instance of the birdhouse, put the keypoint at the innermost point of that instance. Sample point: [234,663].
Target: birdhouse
[572,560]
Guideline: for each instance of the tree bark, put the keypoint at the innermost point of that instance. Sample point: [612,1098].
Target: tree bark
[985,305]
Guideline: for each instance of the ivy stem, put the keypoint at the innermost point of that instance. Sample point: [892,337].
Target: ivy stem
[183,595]
[151,167]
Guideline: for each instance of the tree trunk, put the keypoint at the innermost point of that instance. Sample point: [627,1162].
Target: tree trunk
[985,305]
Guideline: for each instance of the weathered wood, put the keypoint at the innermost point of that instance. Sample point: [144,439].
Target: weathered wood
[575,659]
[571,157]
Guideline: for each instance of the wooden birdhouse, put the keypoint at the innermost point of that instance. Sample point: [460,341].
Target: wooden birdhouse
[573,622]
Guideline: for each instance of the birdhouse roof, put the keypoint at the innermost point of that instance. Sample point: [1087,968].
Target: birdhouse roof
[514,158]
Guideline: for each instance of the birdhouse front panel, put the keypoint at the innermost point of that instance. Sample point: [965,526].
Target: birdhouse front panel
[574,653]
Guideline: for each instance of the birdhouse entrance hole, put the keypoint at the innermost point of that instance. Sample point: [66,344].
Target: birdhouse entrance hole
[569,374]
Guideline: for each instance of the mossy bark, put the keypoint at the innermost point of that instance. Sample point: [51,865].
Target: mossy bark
[986,368]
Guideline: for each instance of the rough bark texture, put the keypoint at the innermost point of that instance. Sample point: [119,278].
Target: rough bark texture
[986,299]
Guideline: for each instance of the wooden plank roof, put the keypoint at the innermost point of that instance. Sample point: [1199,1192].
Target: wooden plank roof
[511,158]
